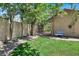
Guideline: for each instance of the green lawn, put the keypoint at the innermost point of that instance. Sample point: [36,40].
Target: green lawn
[49,47]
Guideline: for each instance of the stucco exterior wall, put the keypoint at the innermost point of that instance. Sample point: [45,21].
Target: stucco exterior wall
[62,23]
[16,29]
[4,29]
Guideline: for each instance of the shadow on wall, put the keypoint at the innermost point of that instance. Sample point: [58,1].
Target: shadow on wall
[4,29]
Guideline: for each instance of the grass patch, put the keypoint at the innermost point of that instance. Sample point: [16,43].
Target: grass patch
[49,47]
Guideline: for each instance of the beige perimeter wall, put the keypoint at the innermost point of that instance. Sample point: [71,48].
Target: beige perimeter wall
[62,22]
[4,29]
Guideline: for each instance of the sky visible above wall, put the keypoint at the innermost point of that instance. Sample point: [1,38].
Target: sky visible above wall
[65,6]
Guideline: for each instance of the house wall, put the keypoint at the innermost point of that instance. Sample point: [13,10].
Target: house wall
[76,28]
[62,22]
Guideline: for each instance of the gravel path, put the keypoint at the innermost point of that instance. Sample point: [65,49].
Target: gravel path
[10,45]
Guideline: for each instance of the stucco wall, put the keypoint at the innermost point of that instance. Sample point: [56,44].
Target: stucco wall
[4,29]
[16,29]
[62,22]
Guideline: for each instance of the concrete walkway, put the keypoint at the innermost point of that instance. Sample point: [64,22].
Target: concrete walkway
[66,39]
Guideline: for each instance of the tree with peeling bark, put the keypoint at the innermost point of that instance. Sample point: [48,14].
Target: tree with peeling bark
[22,9]
[33,15]
[10,12]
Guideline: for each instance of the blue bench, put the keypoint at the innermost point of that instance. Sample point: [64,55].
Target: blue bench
[59,33]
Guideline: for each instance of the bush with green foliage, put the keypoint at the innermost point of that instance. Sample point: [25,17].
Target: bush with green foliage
[24,50]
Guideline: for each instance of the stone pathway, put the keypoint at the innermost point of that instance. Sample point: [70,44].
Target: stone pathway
[66,39]
[10,45]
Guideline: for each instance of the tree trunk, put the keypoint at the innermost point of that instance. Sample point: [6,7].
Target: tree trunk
[11,28]
[52,27]
[28,29]
[32,25]
[5,30]
[35,29]
[21,29]
[40,28]
[32,32]
[21,26]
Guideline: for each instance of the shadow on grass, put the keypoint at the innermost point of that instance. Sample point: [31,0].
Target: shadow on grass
[10,45]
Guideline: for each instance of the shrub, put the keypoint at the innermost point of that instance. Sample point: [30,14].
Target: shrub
[24,50]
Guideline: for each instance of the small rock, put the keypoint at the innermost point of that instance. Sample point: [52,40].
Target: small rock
[1,44]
